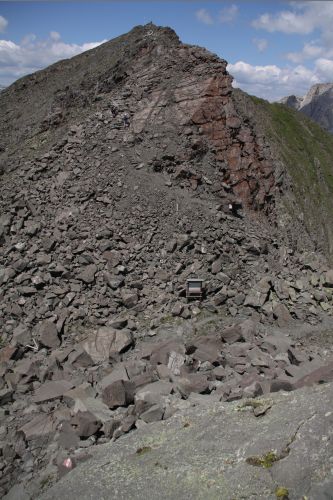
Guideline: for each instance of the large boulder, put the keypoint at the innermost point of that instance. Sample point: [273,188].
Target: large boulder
[154,393]
[192,382]
[85,423]
[328,278]
[160,354]
[232,334]
[51,390]
[48,335]
[317,376]
[87,275]
[119,393]
[259,294]
[107,342]
[207,348]
[118,373]
[41,425]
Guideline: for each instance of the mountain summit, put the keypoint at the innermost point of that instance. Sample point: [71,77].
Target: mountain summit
[164,86]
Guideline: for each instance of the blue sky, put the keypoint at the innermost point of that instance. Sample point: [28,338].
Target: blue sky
[273,48]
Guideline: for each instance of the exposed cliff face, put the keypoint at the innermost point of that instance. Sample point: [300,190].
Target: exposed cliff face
[165,87]
[317,104]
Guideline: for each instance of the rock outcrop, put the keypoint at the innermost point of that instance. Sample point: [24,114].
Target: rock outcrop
[267,448]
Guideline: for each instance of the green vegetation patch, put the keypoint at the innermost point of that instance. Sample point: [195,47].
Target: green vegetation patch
[265,461]
[252,403]
[282,493]
[306,150]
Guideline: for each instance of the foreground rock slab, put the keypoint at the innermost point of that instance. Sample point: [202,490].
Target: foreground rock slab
[107,342]
[218,451]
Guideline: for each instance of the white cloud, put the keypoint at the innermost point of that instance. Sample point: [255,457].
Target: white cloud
[228,14]
[302,18]
[324,69]
[260,43]
[3,24]
[28,39]
[310,51]
[272,82]
[32,54]
[284,21]
[54,35]
[204,16]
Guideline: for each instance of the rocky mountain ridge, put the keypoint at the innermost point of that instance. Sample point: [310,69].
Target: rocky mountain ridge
[317,104]
[118,168]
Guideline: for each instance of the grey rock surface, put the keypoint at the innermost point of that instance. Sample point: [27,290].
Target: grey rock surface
[221,451]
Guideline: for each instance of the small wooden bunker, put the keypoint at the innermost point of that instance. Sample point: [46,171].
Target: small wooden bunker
[194,288]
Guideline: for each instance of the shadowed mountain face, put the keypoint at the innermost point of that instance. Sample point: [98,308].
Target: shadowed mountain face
[316,104]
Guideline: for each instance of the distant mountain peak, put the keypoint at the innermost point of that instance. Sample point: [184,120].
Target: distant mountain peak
[316,104]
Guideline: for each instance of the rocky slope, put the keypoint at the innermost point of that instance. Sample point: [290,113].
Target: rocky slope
[84,197]
[317,104]
[117,170]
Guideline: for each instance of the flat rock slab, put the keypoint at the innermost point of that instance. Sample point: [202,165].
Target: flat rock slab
[118,373]
[95,406]
[81,392]
[221,451]
[40,426]
[48,335]
[6,396]
[52,390]
[106,342]
[7,353]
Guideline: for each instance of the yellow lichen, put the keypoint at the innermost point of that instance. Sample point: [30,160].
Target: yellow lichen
[265,461]
[282,493]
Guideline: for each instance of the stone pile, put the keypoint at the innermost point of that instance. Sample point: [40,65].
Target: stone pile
[111,220]
[102,222]
[57,403]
